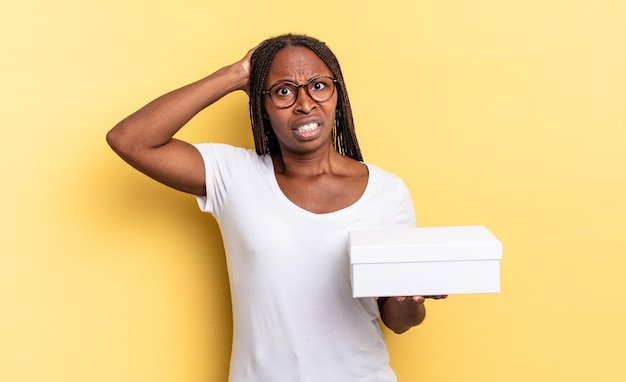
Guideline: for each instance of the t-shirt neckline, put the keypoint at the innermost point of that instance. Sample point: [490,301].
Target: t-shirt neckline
[290,204]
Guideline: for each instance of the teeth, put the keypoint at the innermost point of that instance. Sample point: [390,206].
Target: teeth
[309,127]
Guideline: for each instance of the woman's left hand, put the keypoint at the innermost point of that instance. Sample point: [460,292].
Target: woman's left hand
[404,312]
[420,299]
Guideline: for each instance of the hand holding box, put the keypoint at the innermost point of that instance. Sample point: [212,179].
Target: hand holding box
[424,261]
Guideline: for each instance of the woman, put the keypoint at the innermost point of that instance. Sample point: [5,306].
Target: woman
[284,212]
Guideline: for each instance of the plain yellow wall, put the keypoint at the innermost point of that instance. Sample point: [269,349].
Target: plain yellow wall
[509,114]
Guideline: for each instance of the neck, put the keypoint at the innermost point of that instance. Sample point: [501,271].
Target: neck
[311,164]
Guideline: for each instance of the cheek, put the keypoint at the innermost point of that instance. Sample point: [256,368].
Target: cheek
[276,121]
[277,117]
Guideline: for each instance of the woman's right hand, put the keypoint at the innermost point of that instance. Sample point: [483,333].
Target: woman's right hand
[244,67]
[145,139]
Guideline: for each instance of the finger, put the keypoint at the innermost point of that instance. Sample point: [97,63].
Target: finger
[418,299]
[438,297]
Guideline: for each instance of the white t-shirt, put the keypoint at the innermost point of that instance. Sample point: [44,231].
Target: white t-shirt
[294,316]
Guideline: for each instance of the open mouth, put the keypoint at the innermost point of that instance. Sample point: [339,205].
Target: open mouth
[308,131]
[307,128]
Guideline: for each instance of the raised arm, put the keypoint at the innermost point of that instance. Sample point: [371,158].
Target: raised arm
[145,138]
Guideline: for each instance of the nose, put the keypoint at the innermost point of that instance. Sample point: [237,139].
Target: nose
[304,103]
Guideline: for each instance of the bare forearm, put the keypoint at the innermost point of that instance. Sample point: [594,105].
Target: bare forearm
[154,124]
[400,316]
[145,138]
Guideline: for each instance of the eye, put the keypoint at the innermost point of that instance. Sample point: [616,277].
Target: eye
[283,91]
[318,86]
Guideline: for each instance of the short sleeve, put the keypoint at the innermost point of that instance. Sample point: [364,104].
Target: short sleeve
[222,162]
[405,213]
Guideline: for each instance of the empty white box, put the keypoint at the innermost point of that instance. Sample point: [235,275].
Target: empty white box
[424,261]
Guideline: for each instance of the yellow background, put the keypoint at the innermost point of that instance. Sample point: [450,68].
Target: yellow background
[508,114]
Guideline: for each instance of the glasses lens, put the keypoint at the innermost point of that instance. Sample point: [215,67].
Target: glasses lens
[283,94]
[321,88]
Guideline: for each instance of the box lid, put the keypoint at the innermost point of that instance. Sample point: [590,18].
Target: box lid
[423,244]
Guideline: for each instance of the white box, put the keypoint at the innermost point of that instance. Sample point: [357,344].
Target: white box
[424,261]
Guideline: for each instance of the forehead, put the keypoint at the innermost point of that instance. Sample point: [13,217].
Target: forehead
[297,64]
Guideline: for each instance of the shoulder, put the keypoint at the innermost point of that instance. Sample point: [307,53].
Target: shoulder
[349,167]
[224,150]
[391,191]
[223,161]
[221,154]
[386,184]
[379,175]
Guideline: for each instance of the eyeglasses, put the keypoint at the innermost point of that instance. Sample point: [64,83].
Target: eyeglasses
[285,93]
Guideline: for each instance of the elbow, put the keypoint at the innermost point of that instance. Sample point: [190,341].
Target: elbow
[400,318]
[399,328]
[118,140]
[113,138]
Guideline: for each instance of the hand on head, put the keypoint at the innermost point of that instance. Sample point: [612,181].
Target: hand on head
[244,64]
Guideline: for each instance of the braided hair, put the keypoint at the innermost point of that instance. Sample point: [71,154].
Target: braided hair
[265,141]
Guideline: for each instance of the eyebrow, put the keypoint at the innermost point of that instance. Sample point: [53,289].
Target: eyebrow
[302,83]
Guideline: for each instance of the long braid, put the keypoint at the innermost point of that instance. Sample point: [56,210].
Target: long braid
[345,141]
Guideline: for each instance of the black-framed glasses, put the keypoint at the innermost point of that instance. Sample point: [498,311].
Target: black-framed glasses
[285,93]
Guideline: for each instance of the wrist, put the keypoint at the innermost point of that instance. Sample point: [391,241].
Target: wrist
[240,75]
